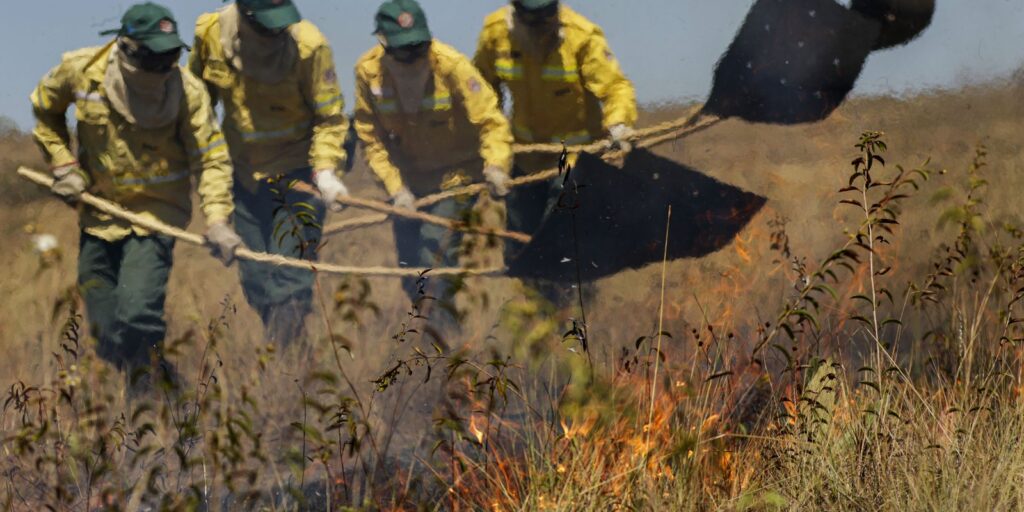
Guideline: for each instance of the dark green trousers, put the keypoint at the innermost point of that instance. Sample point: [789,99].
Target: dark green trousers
[528,206]
[278,220]
[427,245]
[124,285]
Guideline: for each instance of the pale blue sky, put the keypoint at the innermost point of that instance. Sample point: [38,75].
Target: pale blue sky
[668,47]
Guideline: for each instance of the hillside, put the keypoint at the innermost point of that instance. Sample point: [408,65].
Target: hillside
[798,168]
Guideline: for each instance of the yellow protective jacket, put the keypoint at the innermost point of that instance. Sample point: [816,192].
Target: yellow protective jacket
[273,129]
[574,95]
[458,123]
[145,170]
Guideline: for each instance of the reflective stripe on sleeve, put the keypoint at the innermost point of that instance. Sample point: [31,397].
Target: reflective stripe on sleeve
[328,102]
[212,146]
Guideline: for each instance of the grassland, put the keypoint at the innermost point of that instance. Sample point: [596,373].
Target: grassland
[918,412]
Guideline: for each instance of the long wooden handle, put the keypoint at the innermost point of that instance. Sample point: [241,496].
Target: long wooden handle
[454,225]
[244,253]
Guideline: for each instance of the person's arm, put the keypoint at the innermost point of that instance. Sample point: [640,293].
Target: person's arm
[208,154]
[50,102]
[372,135]
[197,57]
[484,60]
[603,77]
[330,125]
[481,104]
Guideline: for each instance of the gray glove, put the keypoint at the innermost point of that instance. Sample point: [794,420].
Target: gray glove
[70,182]
[621,134]
[223,242]
[404,199]
[497,180]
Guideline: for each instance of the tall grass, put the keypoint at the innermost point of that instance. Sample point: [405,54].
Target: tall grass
[860,393]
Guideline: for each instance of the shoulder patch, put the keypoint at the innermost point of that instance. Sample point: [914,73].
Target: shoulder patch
[473,85]
[331,76]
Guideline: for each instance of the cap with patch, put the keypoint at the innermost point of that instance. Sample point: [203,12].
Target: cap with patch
[272,14]
[151,25]
[532,5]
[402,23]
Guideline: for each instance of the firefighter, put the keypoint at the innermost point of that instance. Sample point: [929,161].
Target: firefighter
[565,86]
[274,74]
[144,128]
[428,122]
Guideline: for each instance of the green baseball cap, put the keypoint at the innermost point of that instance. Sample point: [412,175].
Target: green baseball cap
[532,5]
[402,23]
[151,25]
[272,14]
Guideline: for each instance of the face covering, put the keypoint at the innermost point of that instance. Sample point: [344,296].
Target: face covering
[263,55]
[148,99]
[536,31]
[411,79]
[409,53]
[536,17]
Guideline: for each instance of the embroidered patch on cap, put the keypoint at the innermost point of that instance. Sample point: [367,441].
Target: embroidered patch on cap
[166,26]
[405,20]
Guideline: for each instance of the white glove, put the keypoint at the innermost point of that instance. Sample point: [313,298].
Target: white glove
[620,137]
[223,242]
[404,199]
[330,187]
[497,180]
[69,183]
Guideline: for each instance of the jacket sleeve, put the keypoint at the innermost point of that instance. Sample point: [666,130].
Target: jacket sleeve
[330,125]
[484,60]
[603,77]
[481,103]
[50,102]
[373,137]
[208,154]
[197,57]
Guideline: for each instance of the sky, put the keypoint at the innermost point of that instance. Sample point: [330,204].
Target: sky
[667,47]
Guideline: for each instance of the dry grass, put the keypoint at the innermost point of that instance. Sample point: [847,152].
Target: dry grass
[717,435]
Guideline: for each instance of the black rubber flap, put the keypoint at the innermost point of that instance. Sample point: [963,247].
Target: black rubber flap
[793,61]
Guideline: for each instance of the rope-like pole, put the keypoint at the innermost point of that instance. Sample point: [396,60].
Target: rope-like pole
[151,224]
[647,138]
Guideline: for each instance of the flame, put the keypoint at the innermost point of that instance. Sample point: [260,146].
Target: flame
[475,430]
[741,248]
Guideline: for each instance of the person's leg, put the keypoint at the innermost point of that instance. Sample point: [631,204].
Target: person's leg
[441,247]
[407,245]
[141,293]
[527,208]
[529,204]
[99,262]
[252,223]
[296,232]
